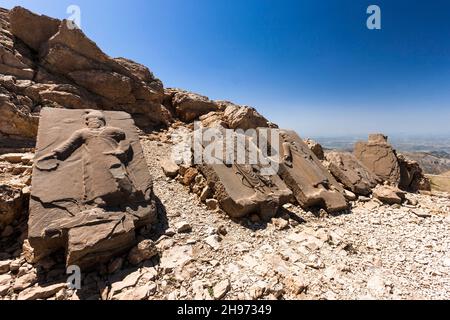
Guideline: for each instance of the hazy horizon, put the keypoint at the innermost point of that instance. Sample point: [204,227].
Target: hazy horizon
[310,66]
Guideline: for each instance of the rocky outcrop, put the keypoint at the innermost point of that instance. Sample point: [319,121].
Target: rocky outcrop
[316,148]
[44,62]
[379,157]
[412,178]
[348,170]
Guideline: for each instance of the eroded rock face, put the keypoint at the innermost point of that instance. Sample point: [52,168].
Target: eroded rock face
[303,172]
[348,170]
[412,178]
[91,188]
[45,63]
[379,157]
[242,189]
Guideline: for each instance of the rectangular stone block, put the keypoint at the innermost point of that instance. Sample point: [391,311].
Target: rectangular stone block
[91,187]
[241,188]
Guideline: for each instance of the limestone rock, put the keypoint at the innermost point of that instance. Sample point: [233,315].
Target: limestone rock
[145,250]
[389,195]
[348,170]
[221,289]
[12,203]
[379,157]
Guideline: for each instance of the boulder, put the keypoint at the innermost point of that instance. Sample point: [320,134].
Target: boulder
[389,194]
[379,157]
[316,148]
[189,106]
[34,30]
[243,117]
[349,171]
[110,178]
[305,175]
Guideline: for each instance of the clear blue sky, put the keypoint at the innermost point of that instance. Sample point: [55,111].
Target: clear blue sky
[308,65]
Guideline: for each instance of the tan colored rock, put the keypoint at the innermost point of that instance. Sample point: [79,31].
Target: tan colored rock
[242,189]
[189,176]
[389,195]
[189,106]
[316,148]
[170,168]
[243,117]
[379,157]
[12,203]
[31,28]
[303,172]
[348,170]
[38,292]
[145,250]
[412,178]
[104,176]
[221,289]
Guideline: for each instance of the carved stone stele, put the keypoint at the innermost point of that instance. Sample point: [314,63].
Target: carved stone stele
[242,187]
[305,175]
[91,186]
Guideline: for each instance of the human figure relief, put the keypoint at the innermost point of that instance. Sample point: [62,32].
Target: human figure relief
[106,153]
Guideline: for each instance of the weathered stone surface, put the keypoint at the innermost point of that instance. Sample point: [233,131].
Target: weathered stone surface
[389,194]
[243,117]
[303,172]
[45,62]
[145,250]
[412,178]
[170,168]
[31,28]
[348,170]
[316,148]
[241,189]
[189,106]
[379,157]
[91,187]
[36,293]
